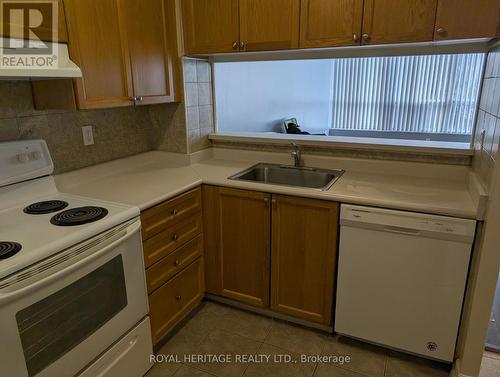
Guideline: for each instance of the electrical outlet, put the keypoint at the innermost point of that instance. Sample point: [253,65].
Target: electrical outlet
[88,135]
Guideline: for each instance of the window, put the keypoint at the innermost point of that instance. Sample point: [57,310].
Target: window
[428,97]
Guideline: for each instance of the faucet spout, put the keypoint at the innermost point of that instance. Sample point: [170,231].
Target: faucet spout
[297,156]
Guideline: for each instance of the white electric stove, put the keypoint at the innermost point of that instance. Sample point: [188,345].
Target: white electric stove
[73,295]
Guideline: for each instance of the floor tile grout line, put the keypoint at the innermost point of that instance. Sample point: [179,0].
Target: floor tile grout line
[217,328]
[197,368]
[248,366]
[362,374]
[269,331]
[386,362]
[492,357]
[315,369]
[270,325]
[243,336]
[237,334]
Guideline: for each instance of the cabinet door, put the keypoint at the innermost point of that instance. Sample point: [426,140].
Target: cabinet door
[237,247]
[151,36]
[210,26]
[169,303]
[98,46]
[269,24]
[459,19]
[396,21]
[325,23]
[304,249]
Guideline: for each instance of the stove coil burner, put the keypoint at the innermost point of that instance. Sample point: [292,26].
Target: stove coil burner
[79,216]
[9,249]
[42,208]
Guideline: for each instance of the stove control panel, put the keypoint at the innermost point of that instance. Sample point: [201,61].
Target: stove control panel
[23,160]
[29,156]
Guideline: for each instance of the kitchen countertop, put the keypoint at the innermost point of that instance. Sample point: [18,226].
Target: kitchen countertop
[150,178]
[142,180]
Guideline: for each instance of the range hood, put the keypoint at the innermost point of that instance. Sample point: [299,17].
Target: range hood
[36,60]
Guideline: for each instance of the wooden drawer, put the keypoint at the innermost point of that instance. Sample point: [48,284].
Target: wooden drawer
[170,302]
[167,241]
[166,214]
[160,272]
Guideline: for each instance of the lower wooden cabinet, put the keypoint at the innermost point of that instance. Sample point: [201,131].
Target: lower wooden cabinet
[162,244]
[173,257]
[174,299]
[269,251]
[304,253]
[169,266]
[297,277]
[237,228]
[164,215]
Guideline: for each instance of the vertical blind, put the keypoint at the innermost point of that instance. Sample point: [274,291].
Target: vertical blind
[424,94]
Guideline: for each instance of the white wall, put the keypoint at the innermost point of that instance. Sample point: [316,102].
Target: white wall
[486,257]
[257,97]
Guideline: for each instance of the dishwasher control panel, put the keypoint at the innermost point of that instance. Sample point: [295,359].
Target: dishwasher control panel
[406,222]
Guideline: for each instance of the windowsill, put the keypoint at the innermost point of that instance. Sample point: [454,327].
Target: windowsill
[343,142]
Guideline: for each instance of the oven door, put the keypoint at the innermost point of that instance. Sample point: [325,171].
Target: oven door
[60,314]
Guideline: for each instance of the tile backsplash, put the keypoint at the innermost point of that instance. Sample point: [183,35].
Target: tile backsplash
[118,132]
[199,106]
[487,137]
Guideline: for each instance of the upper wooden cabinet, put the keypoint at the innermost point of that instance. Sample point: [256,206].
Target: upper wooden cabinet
[152,43]
[98,45]
[325,23]
[240,25]
[304,254]
[460,19]
[269,24]
[127,50]
[397,21]
[210,26]
[237,244]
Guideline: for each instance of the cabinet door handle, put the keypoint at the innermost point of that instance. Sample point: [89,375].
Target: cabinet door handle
[274,202]
[140,98]
[440,31]
[176,263]
[175,237]
[132,99]
[266,200]
[366,37]
[242,45]
[235,45]
[178,297]
[174,212]
[355,38]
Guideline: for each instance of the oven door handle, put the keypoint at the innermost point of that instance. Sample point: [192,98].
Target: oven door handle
[130,231]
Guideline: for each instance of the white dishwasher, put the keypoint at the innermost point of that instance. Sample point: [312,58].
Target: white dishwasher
[401,279]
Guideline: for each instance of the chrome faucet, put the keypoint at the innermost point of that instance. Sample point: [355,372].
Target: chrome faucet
[297,156]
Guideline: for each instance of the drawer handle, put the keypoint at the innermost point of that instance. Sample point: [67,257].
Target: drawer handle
[178,297]
[176,263]
[175,237]
[174,212]
[401,230]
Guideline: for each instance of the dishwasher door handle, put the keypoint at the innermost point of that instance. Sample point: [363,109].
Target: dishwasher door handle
[401,230]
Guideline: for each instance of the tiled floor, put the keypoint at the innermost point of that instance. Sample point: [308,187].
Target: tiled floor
[490,367]
[218,329]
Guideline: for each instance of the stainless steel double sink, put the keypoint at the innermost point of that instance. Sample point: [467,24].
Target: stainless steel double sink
[320,179]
